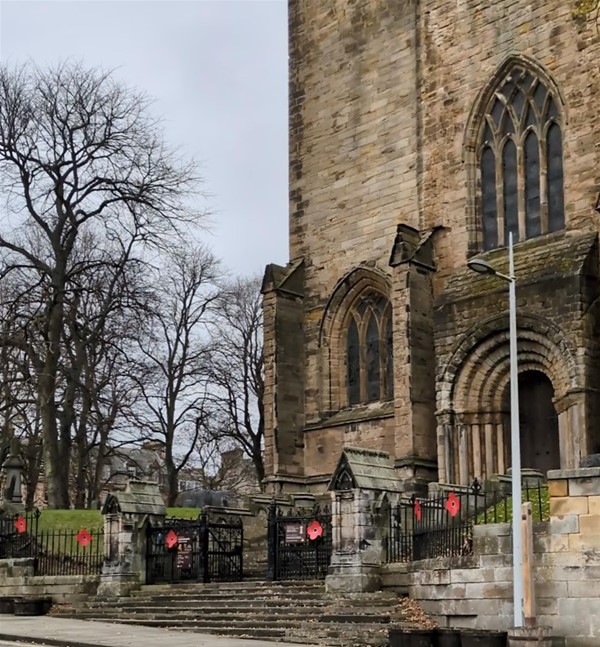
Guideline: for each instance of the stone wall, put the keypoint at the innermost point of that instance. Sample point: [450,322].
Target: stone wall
[476,591]
[17,579]
[463,44]
[385,106]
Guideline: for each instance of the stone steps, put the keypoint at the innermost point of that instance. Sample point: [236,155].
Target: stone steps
[297,612]
[225,587]
[236,618]
[255,603]
[250,609]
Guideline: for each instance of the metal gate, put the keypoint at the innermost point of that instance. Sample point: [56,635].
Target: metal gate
[299,543]
[194,550]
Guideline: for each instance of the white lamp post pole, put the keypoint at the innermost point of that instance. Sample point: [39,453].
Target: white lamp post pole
[515,440]
[483,267]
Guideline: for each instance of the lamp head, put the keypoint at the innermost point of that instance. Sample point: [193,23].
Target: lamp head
[481,267]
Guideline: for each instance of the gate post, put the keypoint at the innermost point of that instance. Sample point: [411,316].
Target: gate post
[204,549]
[356,558]
[272,542]
[126,518]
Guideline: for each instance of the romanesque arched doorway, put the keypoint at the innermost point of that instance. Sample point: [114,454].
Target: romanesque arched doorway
[473,402]
[540,446]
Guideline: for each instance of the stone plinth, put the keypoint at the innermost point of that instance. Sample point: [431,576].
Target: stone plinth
[356,559]
[351,572]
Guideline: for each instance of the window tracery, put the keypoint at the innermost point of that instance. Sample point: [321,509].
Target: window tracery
[369,366]
[520,160]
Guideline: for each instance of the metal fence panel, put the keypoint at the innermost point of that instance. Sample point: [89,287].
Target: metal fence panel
[55,552]
[194,550]
[299,543]
[425,528]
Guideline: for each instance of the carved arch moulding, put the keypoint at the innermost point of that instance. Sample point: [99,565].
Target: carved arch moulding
[472,417]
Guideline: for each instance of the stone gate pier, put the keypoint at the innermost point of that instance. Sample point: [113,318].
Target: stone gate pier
[126,516]
[361,487]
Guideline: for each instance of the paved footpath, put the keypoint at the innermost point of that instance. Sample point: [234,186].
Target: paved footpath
[65,632]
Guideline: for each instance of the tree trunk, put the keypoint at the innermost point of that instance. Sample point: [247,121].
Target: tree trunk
[172,479]
[56,463]
[81,442]
[32,476]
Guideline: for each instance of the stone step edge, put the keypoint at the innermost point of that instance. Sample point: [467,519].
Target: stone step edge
[291,619]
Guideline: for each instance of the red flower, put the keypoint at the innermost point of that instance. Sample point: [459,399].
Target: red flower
[21,524]
[418,511]
[453,504]
[84,538]
[171,539]
[314,530]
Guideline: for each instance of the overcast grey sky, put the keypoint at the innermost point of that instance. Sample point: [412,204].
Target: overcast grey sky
[218,72]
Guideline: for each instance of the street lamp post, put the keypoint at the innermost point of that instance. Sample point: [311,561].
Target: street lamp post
[483,267]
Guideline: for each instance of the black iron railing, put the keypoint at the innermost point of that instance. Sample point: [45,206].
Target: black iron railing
[442,526]
[55,552]
[299,543]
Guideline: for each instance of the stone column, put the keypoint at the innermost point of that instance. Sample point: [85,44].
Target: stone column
[356,558]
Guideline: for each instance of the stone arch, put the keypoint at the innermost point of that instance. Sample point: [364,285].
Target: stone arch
[473,129]
[472,417]
[332,326]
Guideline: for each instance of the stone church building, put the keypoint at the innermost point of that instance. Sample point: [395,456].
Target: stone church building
[421,133]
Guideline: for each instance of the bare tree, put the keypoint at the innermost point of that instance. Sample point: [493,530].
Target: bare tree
[79,155]
[173,385]
[236,370]
[18,386]
[103,319]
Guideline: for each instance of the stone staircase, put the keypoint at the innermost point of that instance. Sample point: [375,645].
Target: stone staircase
[285,611]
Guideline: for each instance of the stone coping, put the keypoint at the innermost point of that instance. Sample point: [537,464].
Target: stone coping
[579,473]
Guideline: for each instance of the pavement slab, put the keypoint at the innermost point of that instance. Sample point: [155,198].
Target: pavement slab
[68,632]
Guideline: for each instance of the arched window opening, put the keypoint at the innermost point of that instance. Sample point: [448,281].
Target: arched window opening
[520,161]
[556,203]
[511,197]
[532,186]
[369,366]
[372,360]
[353,363]
[488,199]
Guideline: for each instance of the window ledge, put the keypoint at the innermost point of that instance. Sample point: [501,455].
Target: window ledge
[358,413]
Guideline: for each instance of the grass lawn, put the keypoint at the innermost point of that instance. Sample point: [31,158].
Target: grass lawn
[92,519]
[540,506]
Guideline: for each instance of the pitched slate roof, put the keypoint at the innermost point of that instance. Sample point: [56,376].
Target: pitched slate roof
[139,497]
[368,469]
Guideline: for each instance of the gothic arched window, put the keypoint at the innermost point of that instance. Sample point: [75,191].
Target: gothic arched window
[369,366]
[520,161]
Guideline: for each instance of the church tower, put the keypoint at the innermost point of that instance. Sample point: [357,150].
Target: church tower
[421,133]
